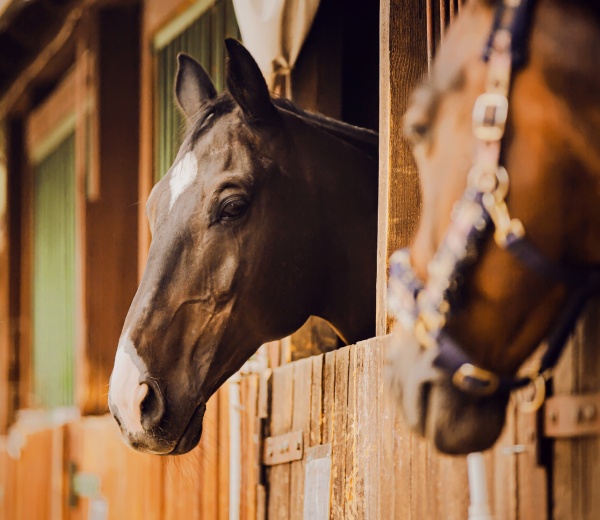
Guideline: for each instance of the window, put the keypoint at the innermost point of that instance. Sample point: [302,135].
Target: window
[54,276]
[203,39]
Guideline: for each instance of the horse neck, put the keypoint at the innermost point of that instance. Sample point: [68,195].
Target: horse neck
[344,182]
[563,38]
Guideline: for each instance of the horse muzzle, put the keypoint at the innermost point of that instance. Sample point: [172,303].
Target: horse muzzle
[457,423]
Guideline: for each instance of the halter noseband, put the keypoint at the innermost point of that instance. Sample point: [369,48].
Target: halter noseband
[423,308]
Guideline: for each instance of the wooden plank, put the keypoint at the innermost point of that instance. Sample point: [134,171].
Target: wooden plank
[33,475]
[300,422]
[340,404]
[503,489]
[532,478]
[403,63]
[316,402]
[223,443]
[355,433]
[387,412]
[368,460]
[281,422]
[209,460]
[251,444]
[328,389]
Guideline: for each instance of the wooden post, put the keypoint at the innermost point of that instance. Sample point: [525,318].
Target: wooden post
[4,281]
[404,45]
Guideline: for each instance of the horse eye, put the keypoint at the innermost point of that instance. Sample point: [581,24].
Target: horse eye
[232,209]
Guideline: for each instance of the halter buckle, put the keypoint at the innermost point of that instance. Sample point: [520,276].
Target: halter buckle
[489,116]
[474,380]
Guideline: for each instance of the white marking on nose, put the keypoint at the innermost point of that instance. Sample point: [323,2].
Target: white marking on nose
[126,393]
[182,176]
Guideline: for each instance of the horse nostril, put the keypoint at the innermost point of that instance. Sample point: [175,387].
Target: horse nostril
[152,408]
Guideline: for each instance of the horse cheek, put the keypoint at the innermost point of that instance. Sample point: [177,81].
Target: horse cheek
[223,277]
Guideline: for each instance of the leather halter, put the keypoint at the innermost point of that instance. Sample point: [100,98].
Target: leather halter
[423,308]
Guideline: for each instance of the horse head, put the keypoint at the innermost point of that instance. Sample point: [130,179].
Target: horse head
[243,249]
[502,304]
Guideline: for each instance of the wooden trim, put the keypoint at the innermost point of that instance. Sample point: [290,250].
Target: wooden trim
[26,283]
[4,282]
[180,23]
[21,84]
[146,164]
[384,166]
[53,121]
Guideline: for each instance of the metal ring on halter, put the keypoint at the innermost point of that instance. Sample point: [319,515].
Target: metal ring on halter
[539,386]
[475,380]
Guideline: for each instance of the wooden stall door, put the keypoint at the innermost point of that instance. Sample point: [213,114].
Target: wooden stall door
[359,459]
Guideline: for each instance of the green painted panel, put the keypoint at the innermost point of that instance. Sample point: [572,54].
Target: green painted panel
[54,277]
[204,41]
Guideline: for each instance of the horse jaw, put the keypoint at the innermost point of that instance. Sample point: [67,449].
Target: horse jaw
[455,422]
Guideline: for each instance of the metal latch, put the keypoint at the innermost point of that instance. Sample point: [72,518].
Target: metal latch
[283,448]
[88,485]
[572,415]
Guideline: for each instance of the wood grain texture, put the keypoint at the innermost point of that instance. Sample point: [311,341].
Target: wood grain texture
[223,446]
[281,422]
[340,404]
[367,463]
[300,421]
[250,446]
[403,64]
[328,389]
[209,461]
[316,400]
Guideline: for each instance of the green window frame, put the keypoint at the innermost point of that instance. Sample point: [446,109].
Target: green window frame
[201,34]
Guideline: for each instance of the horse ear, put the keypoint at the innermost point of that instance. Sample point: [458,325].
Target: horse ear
[193,86]
[247,85]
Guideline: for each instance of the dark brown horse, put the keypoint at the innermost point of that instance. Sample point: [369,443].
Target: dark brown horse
[267,216]
[511,298]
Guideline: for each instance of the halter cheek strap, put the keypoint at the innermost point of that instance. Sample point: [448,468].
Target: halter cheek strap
[423,308]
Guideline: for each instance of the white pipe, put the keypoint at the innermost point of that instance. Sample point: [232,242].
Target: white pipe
[479,509]
[235,448]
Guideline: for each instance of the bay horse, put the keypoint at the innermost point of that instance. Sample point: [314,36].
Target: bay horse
[472,306]
[267,216]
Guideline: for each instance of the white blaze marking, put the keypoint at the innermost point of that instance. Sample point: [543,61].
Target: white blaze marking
[183,175]
[126,393]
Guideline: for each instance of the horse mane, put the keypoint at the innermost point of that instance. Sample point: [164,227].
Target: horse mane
[361,138]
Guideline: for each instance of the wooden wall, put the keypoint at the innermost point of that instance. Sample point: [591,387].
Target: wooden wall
[110,245]
[37,483]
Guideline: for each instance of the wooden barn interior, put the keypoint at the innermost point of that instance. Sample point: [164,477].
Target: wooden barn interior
[88,125]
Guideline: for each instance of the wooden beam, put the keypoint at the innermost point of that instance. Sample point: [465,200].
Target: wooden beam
[50,123]
[403,64]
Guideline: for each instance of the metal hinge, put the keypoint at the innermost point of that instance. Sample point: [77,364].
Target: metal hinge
[572,415]
[283,448]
